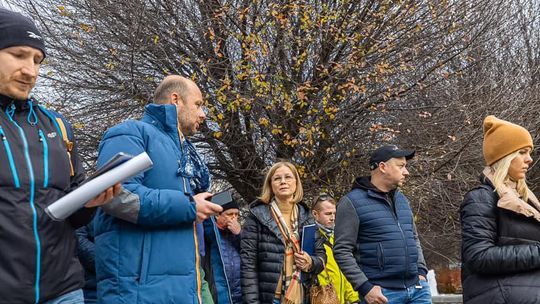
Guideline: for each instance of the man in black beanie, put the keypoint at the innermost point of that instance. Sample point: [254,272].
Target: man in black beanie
[227,256]
[39,161]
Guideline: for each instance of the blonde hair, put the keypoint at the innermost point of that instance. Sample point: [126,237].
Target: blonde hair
[267,194]
[500,176]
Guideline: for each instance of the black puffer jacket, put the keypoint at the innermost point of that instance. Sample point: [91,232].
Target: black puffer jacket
[500,251]
[262,253]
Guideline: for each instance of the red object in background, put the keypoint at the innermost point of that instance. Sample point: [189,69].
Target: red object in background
[448,280]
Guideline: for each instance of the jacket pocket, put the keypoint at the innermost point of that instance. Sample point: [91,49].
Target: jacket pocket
[145,259]
[9,155]
[45,147]
[380,256]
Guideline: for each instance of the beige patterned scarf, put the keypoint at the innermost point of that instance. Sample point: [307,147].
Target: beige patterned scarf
[291,291]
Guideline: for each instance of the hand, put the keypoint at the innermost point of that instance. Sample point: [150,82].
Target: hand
[205,208]
[105,196]
[303,261]
[375,296]
[234,227]
[422,278]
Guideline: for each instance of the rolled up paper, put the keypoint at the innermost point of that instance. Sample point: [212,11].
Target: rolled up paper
[76,199]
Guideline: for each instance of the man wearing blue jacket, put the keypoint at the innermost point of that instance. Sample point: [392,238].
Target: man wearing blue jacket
[223,254]
[38,261]
[376,245]
[148,243]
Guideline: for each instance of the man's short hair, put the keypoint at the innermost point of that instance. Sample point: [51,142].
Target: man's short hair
[169,86]
[323,197]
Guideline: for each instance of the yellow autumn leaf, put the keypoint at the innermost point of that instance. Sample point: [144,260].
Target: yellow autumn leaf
[85,27]
[263,122]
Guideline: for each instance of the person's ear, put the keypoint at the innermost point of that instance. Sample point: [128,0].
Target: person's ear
[382,167]
[175,99]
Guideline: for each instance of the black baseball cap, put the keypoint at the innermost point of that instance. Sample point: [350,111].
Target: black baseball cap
[385,153]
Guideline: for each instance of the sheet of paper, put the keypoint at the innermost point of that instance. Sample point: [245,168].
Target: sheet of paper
[76,199]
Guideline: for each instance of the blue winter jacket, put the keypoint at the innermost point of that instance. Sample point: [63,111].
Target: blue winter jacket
[147,252]
[222,264]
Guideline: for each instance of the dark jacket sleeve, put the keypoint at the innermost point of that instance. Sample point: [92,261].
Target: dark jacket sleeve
[86,246]
[345,236]
[84,215]
[249,260]
[480,251]
[319,260]
[422,268]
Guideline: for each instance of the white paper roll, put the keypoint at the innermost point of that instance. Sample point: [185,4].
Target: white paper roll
[76,199]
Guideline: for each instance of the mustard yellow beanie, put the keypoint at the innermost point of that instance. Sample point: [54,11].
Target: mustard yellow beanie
[502,138]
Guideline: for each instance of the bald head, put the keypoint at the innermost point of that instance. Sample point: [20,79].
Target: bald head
[173,84]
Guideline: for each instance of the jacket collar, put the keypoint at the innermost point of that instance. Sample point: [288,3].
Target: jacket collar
[509,198]
[20,105]
[163,116]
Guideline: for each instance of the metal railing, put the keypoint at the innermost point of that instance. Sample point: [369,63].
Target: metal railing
[448,299]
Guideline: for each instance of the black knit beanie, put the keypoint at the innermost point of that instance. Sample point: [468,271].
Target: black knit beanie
[18,30]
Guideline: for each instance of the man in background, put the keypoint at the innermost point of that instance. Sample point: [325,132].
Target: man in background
[324,212]
[223,254]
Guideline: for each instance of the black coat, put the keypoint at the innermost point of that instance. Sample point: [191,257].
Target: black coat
[35,172]
[500,251]
[262,253]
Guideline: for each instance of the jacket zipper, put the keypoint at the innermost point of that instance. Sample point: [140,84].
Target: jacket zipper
[197,263]
[32,206]
[10,159]
[43,140]
[394,215]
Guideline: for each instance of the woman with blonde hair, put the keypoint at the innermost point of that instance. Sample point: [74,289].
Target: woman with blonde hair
[500,221]
[272,260]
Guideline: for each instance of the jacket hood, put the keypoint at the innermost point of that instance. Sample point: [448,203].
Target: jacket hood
[485,180]
[364,183]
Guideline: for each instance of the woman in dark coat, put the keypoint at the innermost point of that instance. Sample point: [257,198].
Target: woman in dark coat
[500,222]
[270,253]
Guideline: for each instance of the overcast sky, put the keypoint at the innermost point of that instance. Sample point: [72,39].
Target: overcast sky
[4,4]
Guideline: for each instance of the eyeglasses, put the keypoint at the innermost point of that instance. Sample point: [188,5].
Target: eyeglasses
[287,178]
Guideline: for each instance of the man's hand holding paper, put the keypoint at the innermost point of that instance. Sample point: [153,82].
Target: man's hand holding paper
[105,196]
